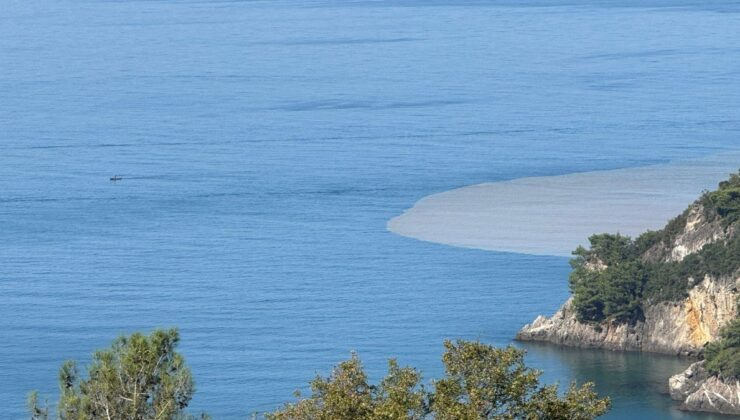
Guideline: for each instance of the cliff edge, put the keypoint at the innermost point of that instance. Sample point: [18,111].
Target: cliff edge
[673,291]
[678,328]
[682,314]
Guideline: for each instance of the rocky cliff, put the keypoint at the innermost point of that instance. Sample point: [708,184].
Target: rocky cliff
[680,327]
[670,291]
[700,391]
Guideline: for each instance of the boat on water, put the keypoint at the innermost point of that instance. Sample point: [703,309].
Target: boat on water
[116,178]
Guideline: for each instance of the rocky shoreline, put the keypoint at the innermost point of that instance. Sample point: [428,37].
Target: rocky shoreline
[681,329]
[681,326]
[675,328]
[698,390]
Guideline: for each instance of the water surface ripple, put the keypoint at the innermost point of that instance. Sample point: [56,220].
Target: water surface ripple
[263,145]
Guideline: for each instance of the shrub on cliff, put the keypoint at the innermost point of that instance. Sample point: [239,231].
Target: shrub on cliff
[607,280]
[725,201]
[723,356]
[617,277]
[481,382]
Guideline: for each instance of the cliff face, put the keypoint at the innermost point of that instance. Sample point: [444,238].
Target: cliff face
[700,391]
[697,232]
[684,290]
[680,328]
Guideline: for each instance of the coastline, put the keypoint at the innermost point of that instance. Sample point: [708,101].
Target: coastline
[553,215]
[559,213]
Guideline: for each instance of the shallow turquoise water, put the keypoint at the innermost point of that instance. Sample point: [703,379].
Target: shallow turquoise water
[264,145]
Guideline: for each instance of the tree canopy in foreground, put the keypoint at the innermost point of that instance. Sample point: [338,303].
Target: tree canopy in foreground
[143,378]
[139,377]
[480,382]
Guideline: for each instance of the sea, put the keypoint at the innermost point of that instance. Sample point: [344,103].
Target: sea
[263,146]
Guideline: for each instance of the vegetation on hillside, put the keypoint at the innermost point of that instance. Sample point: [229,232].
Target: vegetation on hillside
[480,382]
[723,356]
[617,276]
[726,200]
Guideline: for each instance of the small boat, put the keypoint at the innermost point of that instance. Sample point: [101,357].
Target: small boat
[115,178]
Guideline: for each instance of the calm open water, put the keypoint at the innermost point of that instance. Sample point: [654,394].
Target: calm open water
[265,144]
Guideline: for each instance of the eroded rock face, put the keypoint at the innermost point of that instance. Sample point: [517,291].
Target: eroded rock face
[700,391]
[700,228]
[696,233]
[680,328]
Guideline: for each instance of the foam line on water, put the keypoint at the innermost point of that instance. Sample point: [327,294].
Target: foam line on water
[552,215]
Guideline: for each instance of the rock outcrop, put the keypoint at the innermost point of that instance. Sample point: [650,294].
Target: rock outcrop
[680,328]
[696,233]
[695,295]
[698,390]
[672,327]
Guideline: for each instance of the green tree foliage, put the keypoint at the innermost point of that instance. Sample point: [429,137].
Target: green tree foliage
[38,411]
[723,356]
[484,382]
[607,281]
[481,382]
[726,200]
[399,395]
[620,290]
[346,394]
[578,403]
[617,277]
[138,378]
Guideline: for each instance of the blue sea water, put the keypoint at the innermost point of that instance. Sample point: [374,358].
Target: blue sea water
[263,146]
